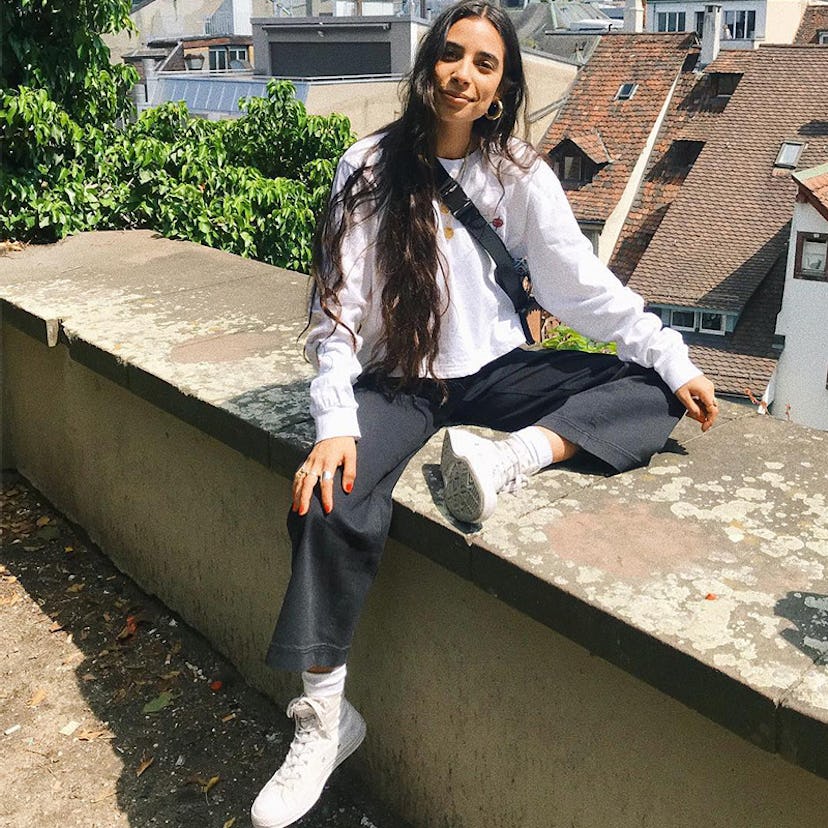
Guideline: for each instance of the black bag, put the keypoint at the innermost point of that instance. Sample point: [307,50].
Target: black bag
[512,276]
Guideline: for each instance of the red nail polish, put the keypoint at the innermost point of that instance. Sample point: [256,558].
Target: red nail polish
[348,487]
[328,510]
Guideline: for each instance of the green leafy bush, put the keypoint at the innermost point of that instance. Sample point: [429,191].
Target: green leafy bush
[57,47]
[252,186]
[562,338]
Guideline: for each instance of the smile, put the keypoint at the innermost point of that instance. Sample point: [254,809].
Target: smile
[455,96]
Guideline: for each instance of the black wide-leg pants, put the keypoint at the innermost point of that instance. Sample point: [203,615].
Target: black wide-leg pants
[619,412]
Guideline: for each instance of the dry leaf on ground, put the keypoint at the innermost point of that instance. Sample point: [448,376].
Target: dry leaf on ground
[37,698]
[91,735]
[144,765]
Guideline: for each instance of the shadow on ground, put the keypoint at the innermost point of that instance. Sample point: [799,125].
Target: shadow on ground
[113,712]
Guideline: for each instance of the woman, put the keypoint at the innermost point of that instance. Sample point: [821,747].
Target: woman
[407,308]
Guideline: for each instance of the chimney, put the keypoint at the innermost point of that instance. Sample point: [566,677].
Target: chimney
[711,35]
[150,80]
[242,12]
[634,16]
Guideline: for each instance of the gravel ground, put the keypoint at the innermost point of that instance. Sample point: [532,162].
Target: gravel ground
[112,711]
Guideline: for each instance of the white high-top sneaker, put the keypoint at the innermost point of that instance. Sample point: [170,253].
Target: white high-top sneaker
[328,731]
[475,469]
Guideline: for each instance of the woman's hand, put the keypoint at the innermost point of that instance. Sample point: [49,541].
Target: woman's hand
[325,458]
[699,398]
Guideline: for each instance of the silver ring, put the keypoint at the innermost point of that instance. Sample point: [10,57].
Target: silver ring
[327,475]
[300,473]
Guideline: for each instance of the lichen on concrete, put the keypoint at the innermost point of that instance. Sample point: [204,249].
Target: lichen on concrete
[718,548]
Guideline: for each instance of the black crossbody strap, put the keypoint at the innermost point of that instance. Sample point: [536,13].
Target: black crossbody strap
[506,275]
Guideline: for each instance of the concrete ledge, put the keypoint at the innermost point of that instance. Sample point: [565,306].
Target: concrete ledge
[703,575]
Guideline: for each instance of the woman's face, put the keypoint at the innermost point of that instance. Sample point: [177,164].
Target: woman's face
[469,72]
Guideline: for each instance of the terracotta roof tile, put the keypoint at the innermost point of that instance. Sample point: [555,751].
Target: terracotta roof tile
[693,109]
[813,186]
[728,224]
[814,21]
[591,143]
[653,61]
[743,363]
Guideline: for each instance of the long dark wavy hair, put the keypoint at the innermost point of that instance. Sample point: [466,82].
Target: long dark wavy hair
[397,183]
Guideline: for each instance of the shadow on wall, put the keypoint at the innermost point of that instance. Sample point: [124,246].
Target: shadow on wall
[808,611]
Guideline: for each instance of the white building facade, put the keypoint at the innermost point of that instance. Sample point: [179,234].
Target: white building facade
[801,393]
[745,23]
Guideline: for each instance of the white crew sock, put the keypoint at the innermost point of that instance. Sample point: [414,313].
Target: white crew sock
[325,685]
[532,447]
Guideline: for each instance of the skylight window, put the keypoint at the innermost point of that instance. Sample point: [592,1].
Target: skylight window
[626,91]
[789,153]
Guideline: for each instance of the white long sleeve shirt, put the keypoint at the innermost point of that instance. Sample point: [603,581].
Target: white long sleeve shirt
[530,212]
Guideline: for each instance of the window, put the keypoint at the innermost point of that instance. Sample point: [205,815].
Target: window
[700,23]
[788,155]
[626,91]
[594,236]
[725,83]
[571,168]
[682,154]
[683,320]
[811,257]
[822,38]
[701,321]
[738,25]
[218,59]
[221,57]
[670,21]
[711,323]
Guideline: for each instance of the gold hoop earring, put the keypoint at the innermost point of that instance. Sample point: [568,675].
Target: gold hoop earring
[498,105]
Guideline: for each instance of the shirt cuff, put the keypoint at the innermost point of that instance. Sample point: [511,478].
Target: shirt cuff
[679,371]
[338,422]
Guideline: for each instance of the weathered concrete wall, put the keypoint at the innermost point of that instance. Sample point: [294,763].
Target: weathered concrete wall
[547,81]
[477,715]
[368,105]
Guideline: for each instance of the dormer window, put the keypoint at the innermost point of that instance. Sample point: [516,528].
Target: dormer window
[695,321]
[625,91]
[725,83]
[822,37]
[788,156]
[578,158]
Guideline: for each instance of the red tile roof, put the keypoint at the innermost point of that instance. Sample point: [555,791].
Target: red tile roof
[692,113]
[813,187]
[814,21]
[728,224]
[591,143]
[742,364]
[618,129]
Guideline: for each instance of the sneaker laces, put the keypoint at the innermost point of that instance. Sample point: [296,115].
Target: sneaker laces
[310,725]
[509,470]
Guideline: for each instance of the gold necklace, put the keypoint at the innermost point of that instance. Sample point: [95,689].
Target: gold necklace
[448,229]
